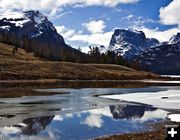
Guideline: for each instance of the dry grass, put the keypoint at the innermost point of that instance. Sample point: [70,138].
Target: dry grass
[156,135]
[24,65]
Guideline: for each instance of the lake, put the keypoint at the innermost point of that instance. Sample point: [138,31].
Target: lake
[86,113]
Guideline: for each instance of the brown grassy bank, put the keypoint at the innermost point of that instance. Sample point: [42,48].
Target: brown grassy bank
[24,66]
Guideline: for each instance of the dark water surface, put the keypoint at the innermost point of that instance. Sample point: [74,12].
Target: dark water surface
[77,115]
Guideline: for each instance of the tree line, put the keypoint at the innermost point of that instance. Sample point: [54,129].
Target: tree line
[54,52]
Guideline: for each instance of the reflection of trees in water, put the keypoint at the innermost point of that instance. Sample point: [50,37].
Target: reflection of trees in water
[102,84]
[34,125]
[129,111]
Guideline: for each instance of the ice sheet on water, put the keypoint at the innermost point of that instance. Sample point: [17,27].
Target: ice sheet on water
[168,99]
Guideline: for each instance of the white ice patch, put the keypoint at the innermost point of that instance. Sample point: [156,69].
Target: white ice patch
[169,99]
[174,117]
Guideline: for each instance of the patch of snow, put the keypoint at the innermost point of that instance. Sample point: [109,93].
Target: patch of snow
[19,23]
[37,20]
[121,49]
[5,27]
[135,31]
[19,19]
[36,35]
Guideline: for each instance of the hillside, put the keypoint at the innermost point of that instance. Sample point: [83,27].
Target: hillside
[22,65]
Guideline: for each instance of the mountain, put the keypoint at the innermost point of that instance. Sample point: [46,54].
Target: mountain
[175,39]
[148,53]
[129,43]
[129,111]
[33,32]
[163,59]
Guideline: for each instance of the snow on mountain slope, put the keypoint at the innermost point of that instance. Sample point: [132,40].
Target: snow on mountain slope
[129,43]
[163,59]
[31,23]
[175,39]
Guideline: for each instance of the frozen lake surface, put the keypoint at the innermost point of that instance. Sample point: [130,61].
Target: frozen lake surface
[87,113]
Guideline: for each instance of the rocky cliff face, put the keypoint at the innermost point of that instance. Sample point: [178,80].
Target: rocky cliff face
[149,54]
[175,39]
[128,43]
[163,59]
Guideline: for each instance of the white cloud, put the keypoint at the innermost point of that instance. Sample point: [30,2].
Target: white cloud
[93,121]
[58,118]
[169,15]
[51,6]
[138,23]
[94,39]
[128,17]
[85,49]
[160,35]
[107,3]
[65,32]
[77,39]
[95,26]
[95,117]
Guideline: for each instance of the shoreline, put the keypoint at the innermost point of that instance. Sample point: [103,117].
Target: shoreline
[19,88]
[59,83]
[157,133]
[153,135]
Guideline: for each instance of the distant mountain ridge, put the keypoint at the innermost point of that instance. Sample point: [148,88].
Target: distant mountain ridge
[163,59]
[148,54]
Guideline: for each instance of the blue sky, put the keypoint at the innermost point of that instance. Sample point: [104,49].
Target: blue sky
[92,22]
[147,9]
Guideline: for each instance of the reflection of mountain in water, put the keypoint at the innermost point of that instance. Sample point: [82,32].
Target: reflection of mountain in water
[129,111]
[33,126]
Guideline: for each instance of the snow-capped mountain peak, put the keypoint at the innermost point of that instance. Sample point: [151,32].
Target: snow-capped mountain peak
[19,19]
[129,43]
[30,23]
